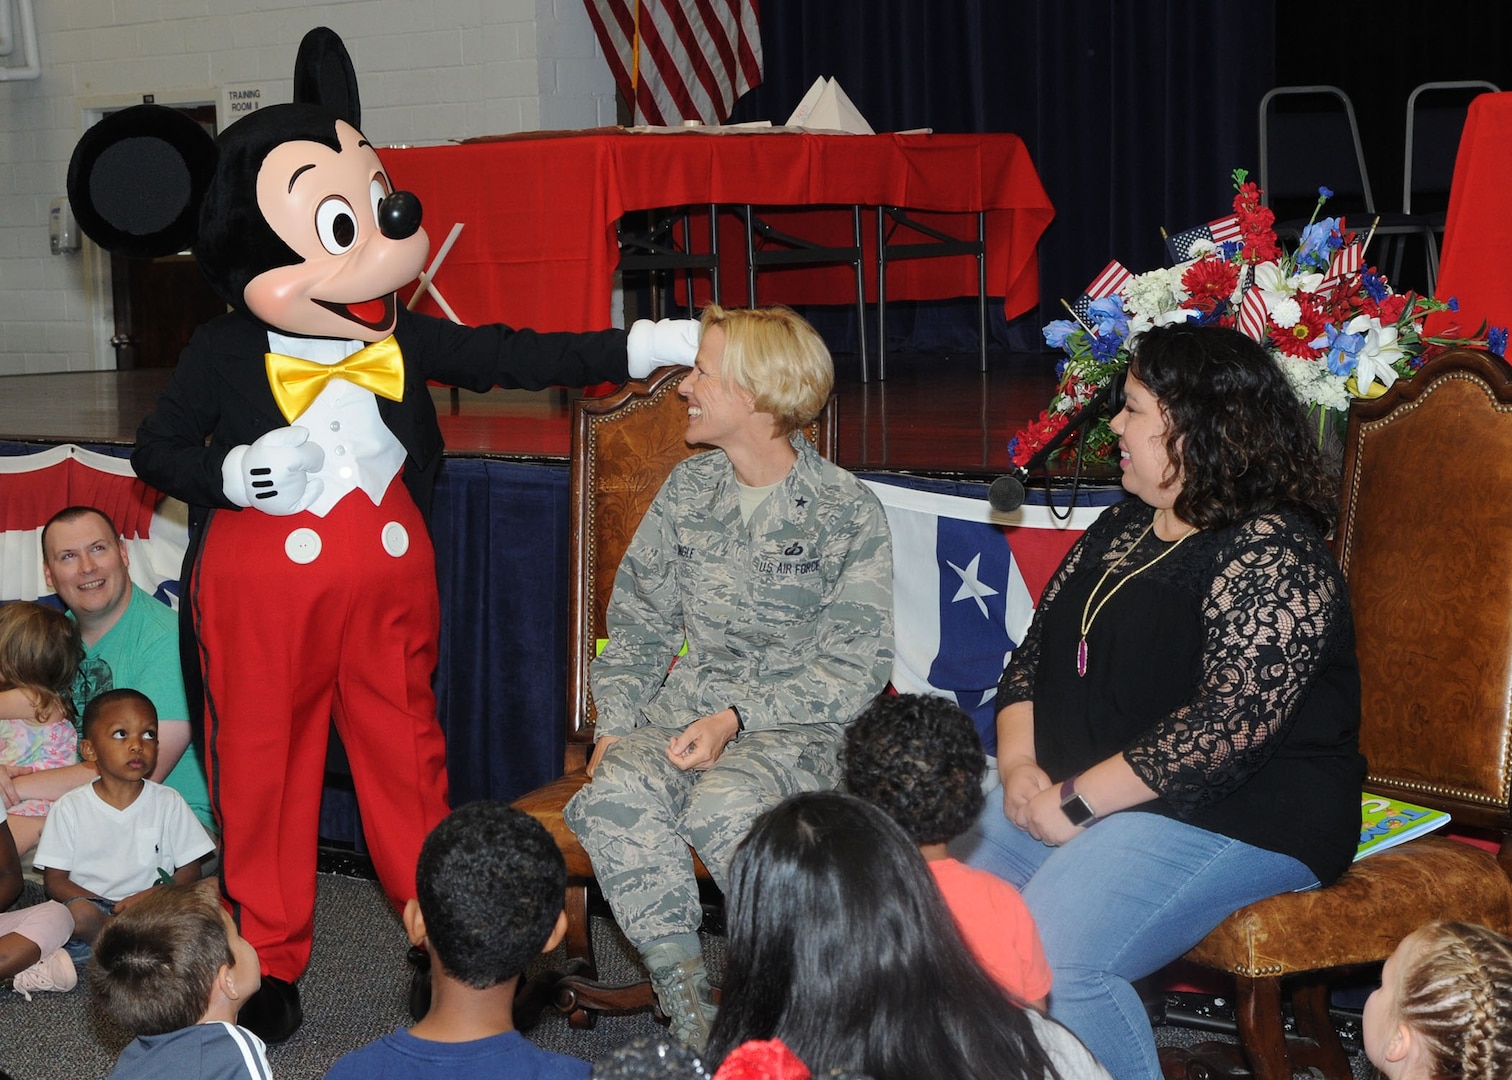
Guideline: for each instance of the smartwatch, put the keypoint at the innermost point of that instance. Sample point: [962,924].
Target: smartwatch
[1077,809]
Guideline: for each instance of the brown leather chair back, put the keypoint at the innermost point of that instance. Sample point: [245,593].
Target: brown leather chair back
[623,448]
[1425,539]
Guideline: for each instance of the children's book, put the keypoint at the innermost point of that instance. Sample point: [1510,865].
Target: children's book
[1385,823]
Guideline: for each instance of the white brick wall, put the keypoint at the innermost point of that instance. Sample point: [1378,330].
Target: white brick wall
[428,72]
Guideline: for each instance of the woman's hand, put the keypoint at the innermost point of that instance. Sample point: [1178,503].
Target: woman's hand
[701,742]
[1044,819]
[1022,781]
[603,744]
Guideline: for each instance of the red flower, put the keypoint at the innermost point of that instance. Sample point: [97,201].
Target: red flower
[1295,340]
[762,1059]
[1256,226]
[1211,282]
[1392,308]
[1029,441]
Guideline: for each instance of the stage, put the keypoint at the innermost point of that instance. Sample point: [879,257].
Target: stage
[934,413]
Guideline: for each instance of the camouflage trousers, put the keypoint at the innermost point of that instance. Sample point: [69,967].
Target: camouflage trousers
[641,814]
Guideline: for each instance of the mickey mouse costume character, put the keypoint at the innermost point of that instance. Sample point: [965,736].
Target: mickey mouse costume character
[309,590]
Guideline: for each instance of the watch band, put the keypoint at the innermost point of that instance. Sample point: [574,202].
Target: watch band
[1075,806]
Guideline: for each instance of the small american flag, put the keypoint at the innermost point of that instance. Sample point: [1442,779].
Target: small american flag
[676,60]
[1252,314]
[1347,260]
[1113,278]
[1219,231]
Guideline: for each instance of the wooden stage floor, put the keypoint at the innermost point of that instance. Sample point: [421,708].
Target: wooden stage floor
[933,414]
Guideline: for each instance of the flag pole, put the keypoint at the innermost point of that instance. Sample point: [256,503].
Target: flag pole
[635,49]
[1077,317]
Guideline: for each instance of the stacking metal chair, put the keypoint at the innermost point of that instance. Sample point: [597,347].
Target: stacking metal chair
[1435,120]
[1310,138]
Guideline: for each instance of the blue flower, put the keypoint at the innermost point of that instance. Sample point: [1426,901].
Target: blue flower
[1454,303]
[1056,332]
[1228,249]
[1496,340]
[1375,285]
[1060,368]
[1108,316]
[1342,350]
[1324,193]
[1319,240]
[1105,347]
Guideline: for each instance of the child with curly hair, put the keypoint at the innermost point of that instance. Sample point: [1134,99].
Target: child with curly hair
[1444,1007]
[919,760]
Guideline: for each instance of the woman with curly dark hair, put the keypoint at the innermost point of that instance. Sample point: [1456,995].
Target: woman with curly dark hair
[1178,732]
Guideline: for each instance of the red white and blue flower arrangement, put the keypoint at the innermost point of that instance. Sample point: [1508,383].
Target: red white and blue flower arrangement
[1331,320]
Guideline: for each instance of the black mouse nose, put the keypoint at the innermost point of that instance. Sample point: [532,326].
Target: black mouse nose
[399,215]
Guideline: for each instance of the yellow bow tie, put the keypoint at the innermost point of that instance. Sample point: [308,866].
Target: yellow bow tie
[297,383]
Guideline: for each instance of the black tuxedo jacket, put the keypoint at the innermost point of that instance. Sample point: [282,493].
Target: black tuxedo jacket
[220,393]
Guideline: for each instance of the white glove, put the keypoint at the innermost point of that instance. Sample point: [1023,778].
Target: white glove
[273,474]
[651,345]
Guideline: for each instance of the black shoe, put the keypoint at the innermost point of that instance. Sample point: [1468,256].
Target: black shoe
[273,1013]
[420,982]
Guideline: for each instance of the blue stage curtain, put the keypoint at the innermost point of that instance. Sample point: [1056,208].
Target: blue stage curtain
[500,531]
[1134,114]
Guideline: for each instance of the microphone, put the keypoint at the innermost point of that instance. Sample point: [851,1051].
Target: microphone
[1007,492]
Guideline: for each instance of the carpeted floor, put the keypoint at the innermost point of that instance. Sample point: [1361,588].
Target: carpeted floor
[354,991]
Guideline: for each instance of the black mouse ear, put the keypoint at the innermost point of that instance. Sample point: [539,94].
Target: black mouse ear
[137,178]
[324,76]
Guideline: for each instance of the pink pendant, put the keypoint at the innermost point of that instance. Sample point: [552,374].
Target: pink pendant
[1081,658]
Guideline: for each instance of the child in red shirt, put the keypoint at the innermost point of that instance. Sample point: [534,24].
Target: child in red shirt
[918,759]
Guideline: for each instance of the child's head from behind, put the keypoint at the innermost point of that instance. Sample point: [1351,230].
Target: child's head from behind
[1444,1007]
[917,758]
[40,651]
[489,887]
[159,965]
[120,730]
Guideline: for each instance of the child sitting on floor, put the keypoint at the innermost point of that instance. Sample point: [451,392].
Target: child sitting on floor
[106,844]
[40,651]
[1444,1007]
[490,883]
[32,956]
[174,971]
[918,759]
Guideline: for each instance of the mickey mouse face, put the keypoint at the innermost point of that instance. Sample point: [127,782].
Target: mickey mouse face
[327,206]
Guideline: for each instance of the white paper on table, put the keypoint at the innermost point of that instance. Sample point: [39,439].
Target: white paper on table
[826,107]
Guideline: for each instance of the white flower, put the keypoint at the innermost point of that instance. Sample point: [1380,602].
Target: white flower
[1313,382]
[1375,360]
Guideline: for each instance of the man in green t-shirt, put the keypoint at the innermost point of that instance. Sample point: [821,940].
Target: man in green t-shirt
[130,640]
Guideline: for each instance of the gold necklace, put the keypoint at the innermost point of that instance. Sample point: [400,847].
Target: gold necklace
[1089,613]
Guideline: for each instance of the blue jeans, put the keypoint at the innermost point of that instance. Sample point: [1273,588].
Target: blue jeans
[1118,902]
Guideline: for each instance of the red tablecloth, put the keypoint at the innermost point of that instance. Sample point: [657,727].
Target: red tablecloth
[1476,263]
[538,245]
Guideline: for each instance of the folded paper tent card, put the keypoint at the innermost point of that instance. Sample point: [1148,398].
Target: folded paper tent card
[826,107]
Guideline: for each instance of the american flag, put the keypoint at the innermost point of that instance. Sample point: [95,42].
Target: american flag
[1219,231]
[1347,260]
[677,60]
[1252,314]
[1114,277]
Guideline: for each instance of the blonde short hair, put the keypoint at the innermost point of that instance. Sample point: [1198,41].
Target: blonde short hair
[774,355]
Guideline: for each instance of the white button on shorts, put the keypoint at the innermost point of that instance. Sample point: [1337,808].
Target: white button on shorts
[395,539]
[302,546]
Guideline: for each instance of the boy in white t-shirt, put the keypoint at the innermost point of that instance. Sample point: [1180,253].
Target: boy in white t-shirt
[106,844]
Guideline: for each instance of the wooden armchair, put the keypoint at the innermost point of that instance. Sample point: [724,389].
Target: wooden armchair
[1425,540]
[623,448]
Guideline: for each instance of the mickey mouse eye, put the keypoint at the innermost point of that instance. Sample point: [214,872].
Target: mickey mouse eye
[378,189]
[336,225]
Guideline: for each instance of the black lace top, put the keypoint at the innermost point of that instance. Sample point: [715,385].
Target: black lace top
[1225,675]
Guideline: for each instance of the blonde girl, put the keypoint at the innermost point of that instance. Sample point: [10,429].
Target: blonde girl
[40,652]
[1444,1007]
